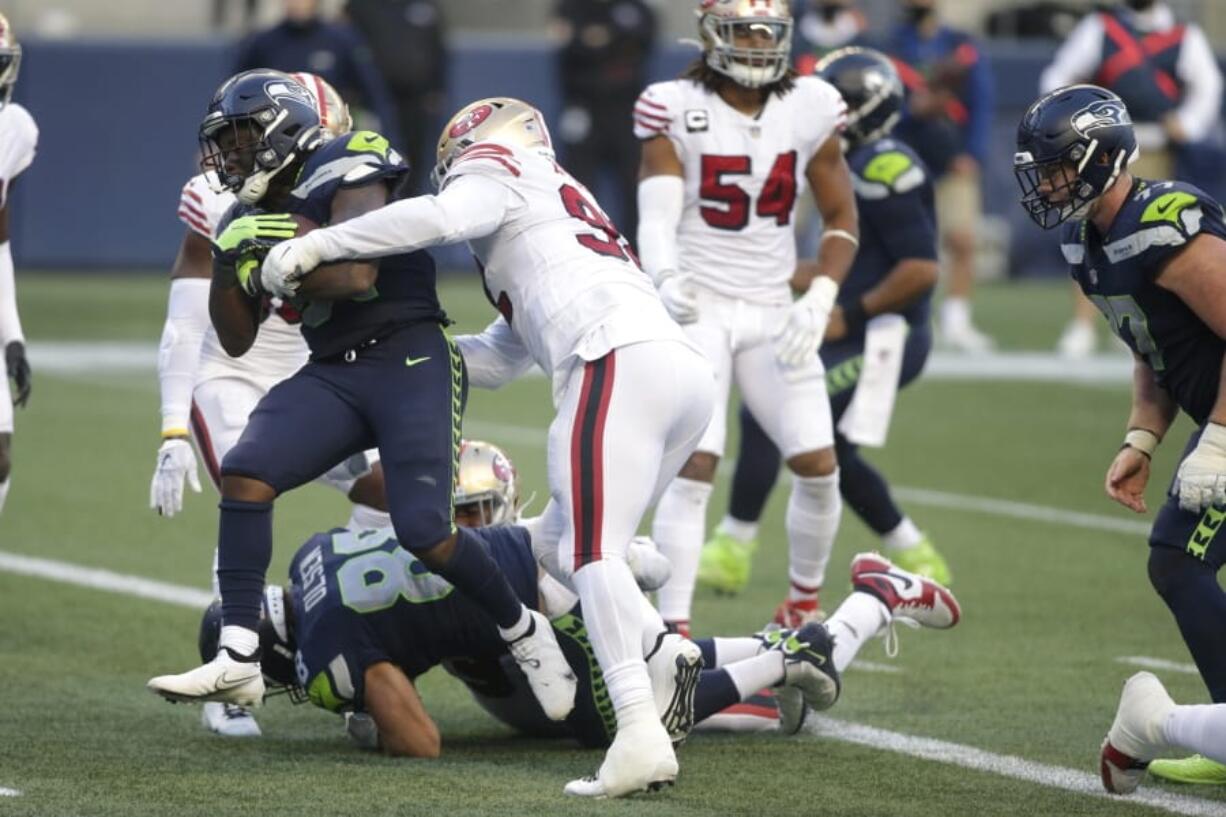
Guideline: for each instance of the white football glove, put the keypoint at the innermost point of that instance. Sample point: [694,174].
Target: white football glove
[1201,479]
[176,462]
[801,336]
[287,264]
[678,296]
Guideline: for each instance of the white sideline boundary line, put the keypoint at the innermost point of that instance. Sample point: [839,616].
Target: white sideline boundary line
[848,732]
[83,357]
[873,666]
[1056,777]
[1147,662]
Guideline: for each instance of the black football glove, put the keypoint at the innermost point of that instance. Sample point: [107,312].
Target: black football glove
[18,371]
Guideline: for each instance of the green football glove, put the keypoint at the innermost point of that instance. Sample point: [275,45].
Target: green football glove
[246,239]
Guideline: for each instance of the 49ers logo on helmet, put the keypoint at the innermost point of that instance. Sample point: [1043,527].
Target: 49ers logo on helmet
[470,120]
[502,468]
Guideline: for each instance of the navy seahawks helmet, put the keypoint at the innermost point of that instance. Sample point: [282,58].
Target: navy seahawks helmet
[1072,145]
[278,649]
[870,86]
[258,123]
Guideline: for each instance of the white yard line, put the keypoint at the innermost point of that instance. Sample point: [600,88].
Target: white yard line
[956,754]
[968,757]
[873,666]
[1147,662]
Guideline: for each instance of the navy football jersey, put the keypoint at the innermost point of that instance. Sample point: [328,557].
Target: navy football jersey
[1117,271]
[405,290]
[897,218]
[360,598]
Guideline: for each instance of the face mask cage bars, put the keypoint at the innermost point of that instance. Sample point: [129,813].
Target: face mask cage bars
[1052,191]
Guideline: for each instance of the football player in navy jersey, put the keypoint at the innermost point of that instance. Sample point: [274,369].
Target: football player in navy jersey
[362,618]
[1149,254]
[382,373]
[894,273]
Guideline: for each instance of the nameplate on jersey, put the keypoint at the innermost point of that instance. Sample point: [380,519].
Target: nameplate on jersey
[697,121]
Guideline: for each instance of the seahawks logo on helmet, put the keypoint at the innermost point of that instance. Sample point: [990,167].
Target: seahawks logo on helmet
[1104,114]
[279,91]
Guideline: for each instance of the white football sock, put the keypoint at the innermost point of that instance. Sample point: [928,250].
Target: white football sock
[365,517]
[4,492]
[904,536]
[613,617]
[678,528]
[520,627]
[812,521]
[239,639]
[739,530]
[730,650]
[955,314]
[753,674]
[1200,728]
[860,617]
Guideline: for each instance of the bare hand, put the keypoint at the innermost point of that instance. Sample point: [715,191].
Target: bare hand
[1127,478]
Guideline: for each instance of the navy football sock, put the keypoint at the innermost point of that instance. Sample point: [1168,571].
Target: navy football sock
[757,469]
[864,490]
[475,574]
[716,691]
[1191,591]
[244,549]
[707,645]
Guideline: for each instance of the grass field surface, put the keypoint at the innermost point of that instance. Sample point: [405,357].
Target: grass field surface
[1001,716]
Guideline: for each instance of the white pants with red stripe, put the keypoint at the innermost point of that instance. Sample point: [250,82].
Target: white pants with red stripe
[626,423]
[220,408]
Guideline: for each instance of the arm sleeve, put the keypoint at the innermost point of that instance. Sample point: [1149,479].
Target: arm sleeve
[1077,59]
[495,357]
[661,200]
[187,319]
[470,207]
[10,323]
[1198,69]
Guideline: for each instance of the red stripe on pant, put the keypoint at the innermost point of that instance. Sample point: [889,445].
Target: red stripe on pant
[587,458]
[205,443]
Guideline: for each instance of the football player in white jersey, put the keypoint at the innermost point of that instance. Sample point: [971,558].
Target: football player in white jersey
[633,395]
[18,141]
[726,151]
[207,395]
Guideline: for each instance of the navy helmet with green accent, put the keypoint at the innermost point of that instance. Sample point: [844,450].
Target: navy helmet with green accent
[870,86]
[258,123]
[1072,146]
[278,650]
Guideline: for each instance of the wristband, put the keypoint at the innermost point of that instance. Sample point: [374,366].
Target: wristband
[1142,440]
[843,234]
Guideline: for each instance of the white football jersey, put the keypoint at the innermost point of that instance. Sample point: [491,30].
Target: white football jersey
[743,175]
[557,269]
[279,349]
[18,142]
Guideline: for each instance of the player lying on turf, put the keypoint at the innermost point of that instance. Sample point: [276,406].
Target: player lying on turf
[362,619]
[1149,254]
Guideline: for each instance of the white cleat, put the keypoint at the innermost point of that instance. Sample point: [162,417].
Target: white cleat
[640,759]
[1135,738]
[223,679]
[551,678]
[650,567]
[1078,340]
[966,338]
[229,720]
[675,666]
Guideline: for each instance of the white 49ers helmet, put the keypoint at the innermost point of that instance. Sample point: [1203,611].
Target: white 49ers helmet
[334,118]
[488,481]
[501,118]
[10,61]
[748,41]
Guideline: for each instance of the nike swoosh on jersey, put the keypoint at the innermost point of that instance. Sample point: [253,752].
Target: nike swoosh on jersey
[413,361]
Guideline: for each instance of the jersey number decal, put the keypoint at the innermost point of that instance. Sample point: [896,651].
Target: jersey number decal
[1124,312]
[375,578]
[579,206]
[776,200]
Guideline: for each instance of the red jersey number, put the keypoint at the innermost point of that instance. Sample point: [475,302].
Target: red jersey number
[776,200]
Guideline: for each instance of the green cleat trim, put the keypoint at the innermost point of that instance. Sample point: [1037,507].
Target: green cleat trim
[1197,770]
[725,562]
[923,559]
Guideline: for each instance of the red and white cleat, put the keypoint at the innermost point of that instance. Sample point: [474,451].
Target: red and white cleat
[907,595]
[1136,735]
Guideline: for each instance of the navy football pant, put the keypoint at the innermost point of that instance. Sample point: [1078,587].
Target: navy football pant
[404,395]
[862,486]
[1186,552]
